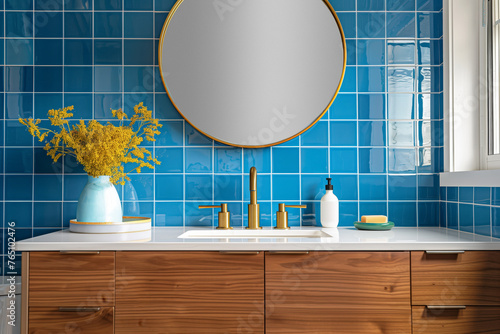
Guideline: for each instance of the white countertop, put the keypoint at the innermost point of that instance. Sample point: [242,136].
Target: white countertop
[341,239]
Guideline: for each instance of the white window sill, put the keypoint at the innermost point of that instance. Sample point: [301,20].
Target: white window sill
[477,178]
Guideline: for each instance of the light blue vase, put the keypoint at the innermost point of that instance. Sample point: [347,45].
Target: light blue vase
[99,202]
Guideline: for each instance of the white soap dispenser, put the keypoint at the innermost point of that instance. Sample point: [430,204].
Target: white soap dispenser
[329,207]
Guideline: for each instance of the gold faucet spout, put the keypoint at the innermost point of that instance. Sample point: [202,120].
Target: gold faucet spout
[253,207]
[253,185]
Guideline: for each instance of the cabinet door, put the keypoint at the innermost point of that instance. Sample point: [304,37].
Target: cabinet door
[338,292]
[189,292]
[71,279]
[470,278]
[472,320]
[52,320]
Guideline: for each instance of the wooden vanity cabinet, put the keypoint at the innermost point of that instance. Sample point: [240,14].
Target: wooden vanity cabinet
[456,292]
[338,292]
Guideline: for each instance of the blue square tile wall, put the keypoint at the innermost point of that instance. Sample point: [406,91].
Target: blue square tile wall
[381,141]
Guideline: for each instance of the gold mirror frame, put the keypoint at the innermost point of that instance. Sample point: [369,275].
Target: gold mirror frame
[160,48]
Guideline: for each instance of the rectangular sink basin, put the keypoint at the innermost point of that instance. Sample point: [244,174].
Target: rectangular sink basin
[254,234]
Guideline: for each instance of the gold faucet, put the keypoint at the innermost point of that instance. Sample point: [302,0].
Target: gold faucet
[253,207]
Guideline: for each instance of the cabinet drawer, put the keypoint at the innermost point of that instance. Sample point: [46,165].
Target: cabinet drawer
[51,320]
[60,279]
[472,320]
[469,278]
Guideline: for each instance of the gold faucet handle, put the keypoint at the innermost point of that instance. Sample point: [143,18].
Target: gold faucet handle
[224,215]
[282,215]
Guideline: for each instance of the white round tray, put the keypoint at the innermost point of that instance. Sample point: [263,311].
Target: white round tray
[128,225]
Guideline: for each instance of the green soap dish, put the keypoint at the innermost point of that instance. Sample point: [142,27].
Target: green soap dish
[374,226]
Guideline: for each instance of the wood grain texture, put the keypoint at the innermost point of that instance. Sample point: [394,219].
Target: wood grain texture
[49,320]
[471,278]
[338,292]
[472,320]
[71,280]
[189,292]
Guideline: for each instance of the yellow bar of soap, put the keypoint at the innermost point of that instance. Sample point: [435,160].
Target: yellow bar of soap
[374,219]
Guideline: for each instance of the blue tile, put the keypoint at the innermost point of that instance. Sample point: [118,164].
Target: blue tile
[452,194]
[400,25]
[48,52]
[141,209]
[401,134]
[227,188]
[430,160]
[351,51]
[135,79]
[138,52]
[313,187]
[348,213]
[371,51]
[344,107]
[138,4]
[18,105]
[371,106]
[45,164]
[108,25]
[20,213]
[372,187]
[107,4]
[370,5]
[317,135]
[372,208]
[466,194]
[401,160]
[495,222]
[169,214]
[314,160]
[344,160]
[18,160]
[171,160]
[18,4]
[72,166]
[78,79]
[108,52]
[194,137]
[18,78]
[400,106]
[442,194]
[429,5]
[263,187]
[138,25]
[430,79]
[77,4]
[285,160]
[47,214]
[69,212]
[482,195]
[428,214]
[48,188]
[48,24]
[401,79]
[81,102]
[198,160]
[19,24]
[198,217]
[107,79]
[18,187]
[140,187]
[402,187]
[48,79]
[17,134]
[372,160]
[199,187]
[495,196]
[430,106]
[77,24]
[2,59]
[103,103]
[442,214]
[78,51]
[164,5]
[371,25]
[400,5]
[267,215]
[466,217]
[169,187]
[452,215]
[482,221]
[228,160]
[349,82]
[401,52]
[49,5]
[19,52]
[403,214]
[428,187]
[348,22]
[258,158]
[371,133]
[430,52]
[371,79]
[429,25]
[343,133]
[286,187]
[164,108]
[73,186]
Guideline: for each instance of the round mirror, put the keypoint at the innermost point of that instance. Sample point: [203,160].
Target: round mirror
[252,73]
